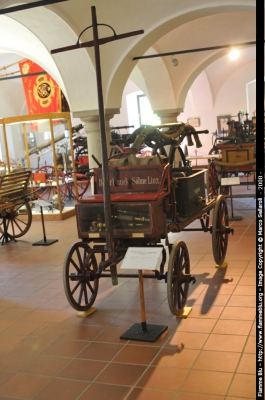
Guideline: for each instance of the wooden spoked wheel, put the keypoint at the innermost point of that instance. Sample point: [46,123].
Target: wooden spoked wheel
[82,182]
[212,180]
[18,220]
[219,230]
[46,192]
[80,283]
[177,282]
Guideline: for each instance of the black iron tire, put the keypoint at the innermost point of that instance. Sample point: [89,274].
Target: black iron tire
[79,285]
[177,286]
[219,234]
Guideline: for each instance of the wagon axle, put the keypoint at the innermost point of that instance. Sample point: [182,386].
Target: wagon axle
[223,230]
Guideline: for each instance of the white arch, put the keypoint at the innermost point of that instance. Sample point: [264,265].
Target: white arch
[157,84]
[179,18]
[70,69]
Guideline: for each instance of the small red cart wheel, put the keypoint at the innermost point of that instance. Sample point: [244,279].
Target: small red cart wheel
[219,231]
[80,282]
[177,285]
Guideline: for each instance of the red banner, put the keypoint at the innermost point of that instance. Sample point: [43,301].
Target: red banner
[42,93]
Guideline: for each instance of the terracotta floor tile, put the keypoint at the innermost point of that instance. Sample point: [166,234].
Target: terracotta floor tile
[55,331]
[33,345]
[64,348]
[220,289]
[45,365]
[239,313]
[243,385]
[100,351]
[239,398]
[175,357]
[199,325]
[39,315]
[207,382]
[245,290]
[123,296]
[121,374]
[163,378]
[217,300]
[206,311]
[23,328]
[84,370]
[13,362]
[125,320]
[199,350]
[103,391]
[5,324]
[253,330]
[5,376]
[81,332]
[9,342]
[197,396]
[233,343]
[217,361]
[247,364]
[171,322]
[100,318]
[23,385]
[62,389]
[250,346]
[147,394]
[111,335]
[228,326]
[188,340]
[14,313]
[55,304]
[136,354]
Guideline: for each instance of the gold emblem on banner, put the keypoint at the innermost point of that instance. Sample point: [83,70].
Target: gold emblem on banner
[44,91]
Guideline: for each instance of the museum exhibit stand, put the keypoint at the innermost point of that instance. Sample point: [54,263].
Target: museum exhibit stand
[43,144]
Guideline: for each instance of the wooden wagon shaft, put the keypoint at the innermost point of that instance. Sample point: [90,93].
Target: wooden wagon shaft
[14,189]
[105,172]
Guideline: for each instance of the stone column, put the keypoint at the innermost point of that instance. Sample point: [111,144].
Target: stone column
[168,116]
[91,121]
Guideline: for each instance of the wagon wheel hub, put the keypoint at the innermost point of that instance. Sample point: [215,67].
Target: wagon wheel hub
[185,278]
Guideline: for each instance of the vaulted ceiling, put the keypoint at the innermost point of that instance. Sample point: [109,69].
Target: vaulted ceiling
[168,26]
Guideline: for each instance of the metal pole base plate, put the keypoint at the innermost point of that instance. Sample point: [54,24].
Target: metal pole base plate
[45,242]
[151,334]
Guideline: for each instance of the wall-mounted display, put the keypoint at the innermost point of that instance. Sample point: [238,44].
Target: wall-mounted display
[194,122]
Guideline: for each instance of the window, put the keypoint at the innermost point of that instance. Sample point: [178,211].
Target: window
[145,112]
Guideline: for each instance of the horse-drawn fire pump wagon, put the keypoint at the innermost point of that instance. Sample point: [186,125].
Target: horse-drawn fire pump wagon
[150,197]
[237,151]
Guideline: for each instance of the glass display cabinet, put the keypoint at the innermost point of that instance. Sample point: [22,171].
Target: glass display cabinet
[43,144]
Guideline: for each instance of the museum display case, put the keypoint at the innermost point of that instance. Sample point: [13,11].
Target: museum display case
[42,144]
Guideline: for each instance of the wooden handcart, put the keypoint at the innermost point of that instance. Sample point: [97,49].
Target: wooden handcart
[15,208]
[150,197]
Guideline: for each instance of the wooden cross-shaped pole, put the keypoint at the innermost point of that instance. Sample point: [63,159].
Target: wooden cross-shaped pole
[96,42]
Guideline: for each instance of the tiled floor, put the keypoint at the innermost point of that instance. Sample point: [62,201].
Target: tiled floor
[47,352]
